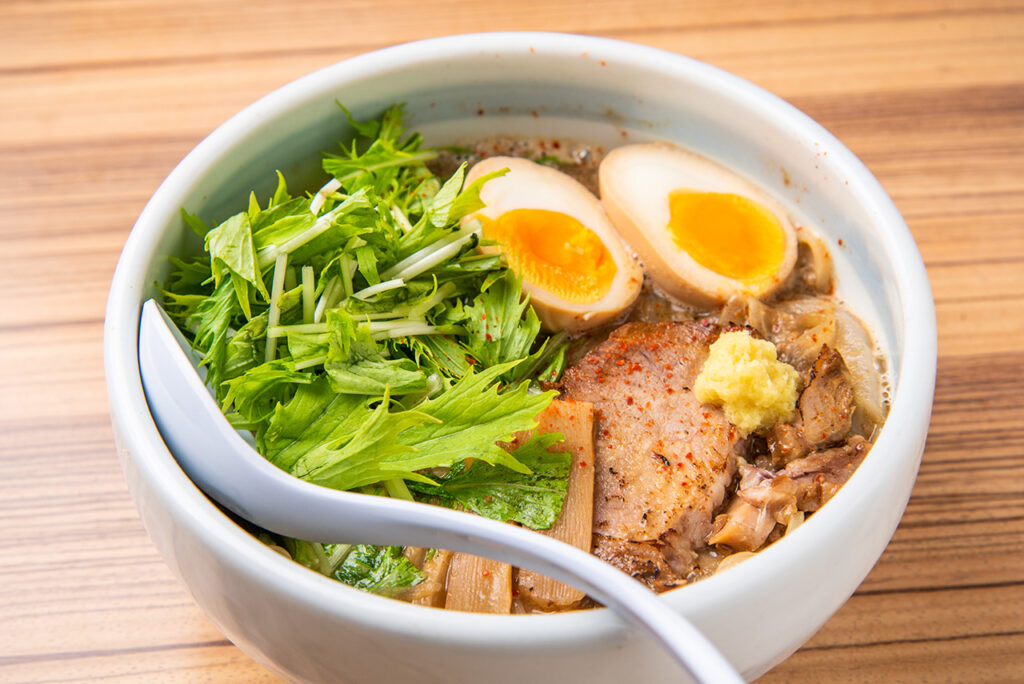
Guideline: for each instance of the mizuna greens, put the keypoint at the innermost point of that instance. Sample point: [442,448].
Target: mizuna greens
[368,345]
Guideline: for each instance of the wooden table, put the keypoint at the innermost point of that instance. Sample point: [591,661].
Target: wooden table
[99,99]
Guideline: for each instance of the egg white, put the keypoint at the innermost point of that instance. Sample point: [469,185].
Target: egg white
[529,185]
[635,183]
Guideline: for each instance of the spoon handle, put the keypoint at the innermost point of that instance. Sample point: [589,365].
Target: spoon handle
[231,472]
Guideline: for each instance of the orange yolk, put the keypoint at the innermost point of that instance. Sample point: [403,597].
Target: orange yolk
[728,234]
[555,252]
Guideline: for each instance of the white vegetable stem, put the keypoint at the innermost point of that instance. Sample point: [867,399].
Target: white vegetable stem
[431,255]
[397,489]
[309,363]
[368,292]
[267,255]
[401,219]
[274,315]
[308,305]
[318,328]
[426,305]
[348,268]
[328,299]
[321,195]
[410,330]
[331,296]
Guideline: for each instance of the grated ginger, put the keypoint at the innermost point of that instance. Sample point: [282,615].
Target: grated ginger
[745,378]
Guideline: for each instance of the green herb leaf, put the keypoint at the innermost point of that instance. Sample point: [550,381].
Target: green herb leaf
[197,225]
[369,391]
[441,354]
[500,324]
[380,570]
[375,376]
[213,317]
[370,454]
[245,348]
[533,499]
[280,195]
[332,440]
[292,229]
[355,365]
[231,249]
[469,200]
[387,162]
[255,394]
[473,415]
[315,418]
[323,558]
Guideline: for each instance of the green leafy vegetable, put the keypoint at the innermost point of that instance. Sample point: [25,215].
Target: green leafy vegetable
[366,342]
[342,441]
[355,364]
[197,225]
[256,393]
[232,253]
[213,316]
[552,160]
[324,558]
[534,499]
[378,569]
[500,324]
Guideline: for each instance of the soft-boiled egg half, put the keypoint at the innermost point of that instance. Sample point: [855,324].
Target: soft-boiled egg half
[702,232]
[558,240]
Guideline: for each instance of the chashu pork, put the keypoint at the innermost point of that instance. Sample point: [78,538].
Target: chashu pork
[765,498]
[662,459]
[826,411]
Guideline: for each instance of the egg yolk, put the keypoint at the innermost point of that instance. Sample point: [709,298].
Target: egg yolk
[729,234]
[555,252]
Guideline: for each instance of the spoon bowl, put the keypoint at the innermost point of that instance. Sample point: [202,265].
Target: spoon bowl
[231,472]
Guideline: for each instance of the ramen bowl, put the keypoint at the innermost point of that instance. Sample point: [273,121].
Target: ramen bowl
[306,627]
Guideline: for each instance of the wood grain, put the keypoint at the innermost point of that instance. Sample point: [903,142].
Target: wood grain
[99,99]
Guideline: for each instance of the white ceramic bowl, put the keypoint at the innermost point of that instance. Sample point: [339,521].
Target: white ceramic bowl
[306,627]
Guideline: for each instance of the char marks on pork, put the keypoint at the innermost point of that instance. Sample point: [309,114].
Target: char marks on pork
[663,460]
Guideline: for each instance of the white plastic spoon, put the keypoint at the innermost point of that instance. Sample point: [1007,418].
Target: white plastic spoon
[232,473]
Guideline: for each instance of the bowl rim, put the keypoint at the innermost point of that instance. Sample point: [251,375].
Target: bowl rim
[910,399]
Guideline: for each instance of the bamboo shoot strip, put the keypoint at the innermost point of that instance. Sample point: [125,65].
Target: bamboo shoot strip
[479,585]
[431,591]
[575,420]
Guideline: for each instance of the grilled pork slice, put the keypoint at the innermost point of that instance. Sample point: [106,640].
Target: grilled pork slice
[641,560]
[819,476]
[826,405]
[766,498]
[663,460]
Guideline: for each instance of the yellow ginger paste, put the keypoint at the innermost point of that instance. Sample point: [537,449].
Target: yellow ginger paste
[745,377]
